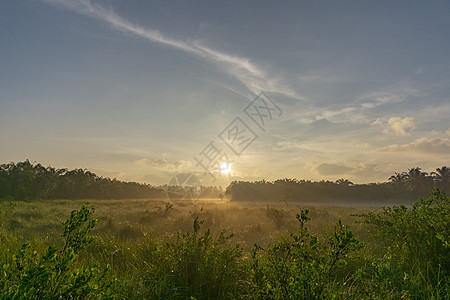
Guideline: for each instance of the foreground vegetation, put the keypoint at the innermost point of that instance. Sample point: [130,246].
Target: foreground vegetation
[148,251]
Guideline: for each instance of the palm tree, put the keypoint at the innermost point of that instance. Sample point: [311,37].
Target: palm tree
[417,180]
[398,178]
[342,181]
[442,175]
[442,178]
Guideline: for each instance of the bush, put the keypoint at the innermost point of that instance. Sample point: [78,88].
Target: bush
[416,246]
[301,268]
[55,275]
[198,265]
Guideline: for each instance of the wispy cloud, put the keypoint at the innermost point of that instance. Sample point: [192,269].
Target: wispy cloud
[357,110]
[422,145]
[163,164]
[251,75]
[391,94]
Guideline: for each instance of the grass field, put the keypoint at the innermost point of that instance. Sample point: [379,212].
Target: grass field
[136,219]
[157,249]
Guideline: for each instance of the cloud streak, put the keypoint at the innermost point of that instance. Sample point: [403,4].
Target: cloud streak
[421,145]
[358,110]
[163,164]
[248,73]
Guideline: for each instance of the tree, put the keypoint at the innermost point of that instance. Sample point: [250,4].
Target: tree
[398,178]
[418,180]
[442,175]
[442,178]
[342,181]
[25,180]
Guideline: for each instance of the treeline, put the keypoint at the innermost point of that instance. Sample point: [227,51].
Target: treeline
[193,192]
[25,180]
[405,186]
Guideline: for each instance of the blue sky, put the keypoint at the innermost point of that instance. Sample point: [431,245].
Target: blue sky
[137,89]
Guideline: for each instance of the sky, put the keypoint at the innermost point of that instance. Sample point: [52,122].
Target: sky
[226,90]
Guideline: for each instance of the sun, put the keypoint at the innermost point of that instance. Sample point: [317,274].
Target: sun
[225,168]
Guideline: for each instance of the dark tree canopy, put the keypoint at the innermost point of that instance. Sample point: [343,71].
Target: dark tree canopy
[25,180]
[400,186]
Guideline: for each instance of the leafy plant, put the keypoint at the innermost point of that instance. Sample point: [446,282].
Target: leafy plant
[55,275]
[201,266]
[302,267]
[416,244]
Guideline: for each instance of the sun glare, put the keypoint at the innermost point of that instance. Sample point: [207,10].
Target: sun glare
[225,168]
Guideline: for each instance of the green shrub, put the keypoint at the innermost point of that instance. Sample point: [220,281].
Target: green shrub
[302,267]
[415,246]
[201,266]
[55,274]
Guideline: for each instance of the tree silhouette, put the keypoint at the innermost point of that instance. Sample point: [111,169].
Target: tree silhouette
[26,180]
[442,177]
[342,181]
[398,178]
[418,180]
